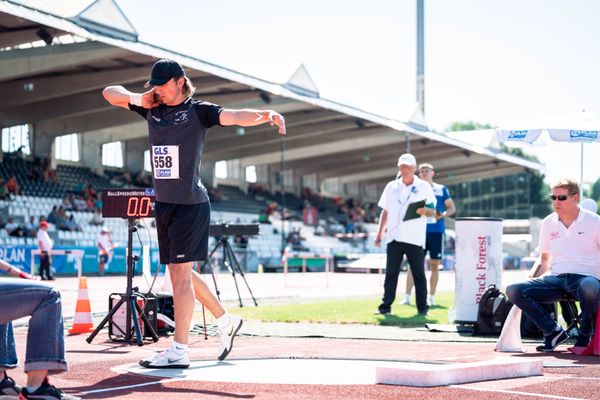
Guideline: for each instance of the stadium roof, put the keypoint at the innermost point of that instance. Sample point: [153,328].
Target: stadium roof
[57,56]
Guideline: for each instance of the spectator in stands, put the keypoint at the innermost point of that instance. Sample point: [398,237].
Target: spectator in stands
[436,229]
[320,229]
[405,236]
[79,203]
[105,249]
[272,208]
[295,240]
[97,218]
[30,229]
[53,215]
[45,338]
[263,218]
[45,245]
[12,186]
[122,180]
[3,191]
[570,252]
[50,175]
[143,178]
[182,208]
[241,241]
[66,204]
[13,228]
[71,225]
[215,195]
[80,187]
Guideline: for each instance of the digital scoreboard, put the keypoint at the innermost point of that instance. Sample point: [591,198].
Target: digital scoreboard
[128,203]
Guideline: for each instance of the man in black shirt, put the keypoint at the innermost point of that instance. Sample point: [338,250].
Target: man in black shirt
[177,129]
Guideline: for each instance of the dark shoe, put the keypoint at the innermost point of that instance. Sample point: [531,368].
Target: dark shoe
[47,392]
[552,341]
[582,341]
[423,312]
[8,387]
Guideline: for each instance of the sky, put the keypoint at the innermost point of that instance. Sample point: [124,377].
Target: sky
[495,61]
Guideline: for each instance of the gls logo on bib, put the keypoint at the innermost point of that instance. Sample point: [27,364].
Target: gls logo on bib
[165,160]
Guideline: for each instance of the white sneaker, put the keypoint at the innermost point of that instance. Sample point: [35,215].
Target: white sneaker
[406,301]
[430,301]
[228,332]
[166,359]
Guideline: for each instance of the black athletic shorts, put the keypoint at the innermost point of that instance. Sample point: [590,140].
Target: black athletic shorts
[434,244]
[182,231]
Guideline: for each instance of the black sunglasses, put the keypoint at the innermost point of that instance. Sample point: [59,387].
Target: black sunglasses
[560,197]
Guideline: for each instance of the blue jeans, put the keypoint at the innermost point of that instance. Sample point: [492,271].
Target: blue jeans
[550,289]
[45,337]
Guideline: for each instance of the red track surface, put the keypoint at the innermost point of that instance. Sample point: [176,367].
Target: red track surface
[90,370]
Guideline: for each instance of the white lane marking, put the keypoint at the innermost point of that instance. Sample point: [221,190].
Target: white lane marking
[546,396]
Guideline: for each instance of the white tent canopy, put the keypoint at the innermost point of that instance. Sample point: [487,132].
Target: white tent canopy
[580,127]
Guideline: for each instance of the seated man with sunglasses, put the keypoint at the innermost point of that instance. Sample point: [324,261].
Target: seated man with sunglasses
[570,251]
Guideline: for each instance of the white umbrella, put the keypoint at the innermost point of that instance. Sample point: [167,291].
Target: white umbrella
[581,127]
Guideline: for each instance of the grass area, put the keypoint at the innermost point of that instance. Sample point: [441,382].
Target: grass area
[351,311]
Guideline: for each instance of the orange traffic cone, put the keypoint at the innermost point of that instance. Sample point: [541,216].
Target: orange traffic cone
[83,312]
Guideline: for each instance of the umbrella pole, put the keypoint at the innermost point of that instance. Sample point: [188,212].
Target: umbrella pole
[581,174]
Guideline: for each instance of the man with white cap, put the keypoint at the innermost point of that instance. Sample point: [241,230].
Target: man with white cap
[405,235]
[105,247]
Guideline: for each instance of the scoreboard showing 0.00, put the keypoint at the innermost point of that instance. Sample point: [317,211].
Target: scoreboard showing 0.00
[128,203]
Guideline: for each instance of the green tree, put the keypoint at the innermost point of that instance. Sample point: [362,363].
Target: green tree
[458,126]
[596,190]
[539,190]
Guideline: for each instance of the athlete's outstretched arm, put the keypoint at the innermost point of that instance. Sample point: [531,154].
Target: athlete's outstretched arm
[250,117]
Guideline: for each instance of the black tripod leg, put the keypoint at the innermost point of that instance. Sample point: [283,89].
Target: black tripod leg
[241,272]
[227,258]
[212,273]
[108,317]
[136,323]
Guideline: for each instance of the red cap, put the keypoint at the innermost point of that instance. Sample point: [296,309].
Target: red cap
[43,224]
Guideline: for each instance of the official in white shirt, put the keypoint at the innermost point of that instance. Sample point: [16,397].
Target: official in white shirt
[405,237]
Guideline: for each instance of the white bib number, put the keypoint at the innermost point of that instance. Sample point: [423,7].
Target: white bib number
[165,160]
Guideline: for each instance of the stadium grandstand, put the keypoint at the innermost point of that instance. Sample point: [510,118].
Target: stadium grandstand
[314,191]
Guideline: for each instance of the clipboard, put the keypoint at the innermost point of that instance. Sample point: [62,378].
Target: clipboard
[411,210]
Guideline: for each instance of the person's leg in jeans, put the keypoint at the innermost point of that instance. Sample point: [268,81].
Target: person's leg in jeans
[586,289]
[416,259]
[530,294]
[45,336]
[8,354]
[395,254]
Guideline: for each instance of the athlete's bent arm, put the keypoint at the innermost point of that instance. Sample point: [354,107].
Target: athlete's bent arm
[250,117]
[120,97]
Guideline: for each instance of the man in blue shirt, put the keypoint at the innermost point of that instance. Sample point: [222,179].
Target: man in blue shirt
[436,229]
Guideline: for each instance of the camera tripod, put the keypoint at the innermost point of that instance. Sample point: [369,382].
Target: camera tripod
[231,263]
[133,309]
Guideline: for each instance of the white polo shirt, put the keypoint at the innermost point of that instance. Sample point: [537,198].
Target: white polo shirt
[44,239]
[574,250]
[395,199]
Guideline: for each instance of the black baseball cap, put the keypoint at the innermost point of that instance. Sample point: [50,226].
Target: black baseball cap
[163,70]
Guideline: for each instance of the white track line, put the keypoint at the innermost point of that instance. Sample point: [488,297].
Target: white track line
[546,396]
[132,386]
